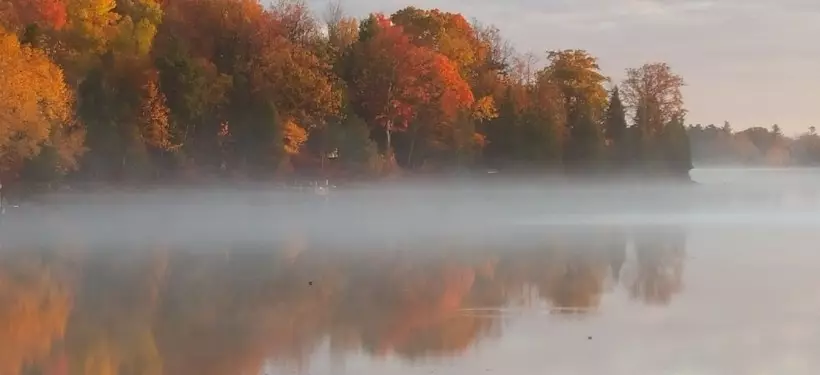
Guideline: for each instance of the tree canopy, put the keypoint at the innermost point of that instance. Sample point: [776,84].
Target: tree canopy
[140,89]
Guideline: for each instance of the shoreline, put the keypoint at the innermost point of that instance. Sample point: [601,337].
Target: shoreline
[26,190]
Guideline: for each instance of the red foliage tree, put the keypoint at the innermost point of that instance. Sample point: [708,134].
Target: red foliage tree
[393,80]
[45,13]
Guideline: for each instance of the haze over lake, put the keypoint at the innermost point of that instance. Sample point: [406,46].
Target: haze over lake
[507,277]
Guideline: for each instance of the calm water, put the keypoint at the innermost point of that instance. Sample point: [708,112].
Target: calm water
[598,281]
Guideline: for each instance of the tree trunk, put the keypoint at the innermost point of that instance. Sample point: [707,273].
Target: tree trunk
[387,129]
[323,151]
[412,148]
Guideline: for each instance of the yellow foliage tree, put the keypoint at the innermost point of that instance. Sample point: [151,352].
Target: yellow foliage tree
[91,27]
[294,137]
[153,118]
[485,109]
[91,23]
[35,102]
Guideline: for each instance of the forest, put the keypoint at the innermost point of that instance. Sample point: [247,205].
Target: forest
[146,90]
[755,146]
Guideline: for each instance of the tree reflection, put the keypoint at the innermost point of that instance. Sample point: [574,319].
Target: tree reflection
[229,314]
[660,256]
[567,270]
[232,310]
[111,326]
[412,308]
[35,301]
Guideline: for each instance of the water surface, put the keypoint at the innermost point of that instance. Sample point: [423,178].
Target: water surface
[631,281]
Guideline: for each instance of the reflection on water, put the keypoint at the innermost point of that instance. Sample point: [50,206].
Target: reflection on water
[275,307]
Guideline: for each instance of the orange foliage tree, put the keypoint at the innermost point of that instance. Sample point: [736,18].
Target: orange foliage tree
[393,80]
[447,33]
[35,102]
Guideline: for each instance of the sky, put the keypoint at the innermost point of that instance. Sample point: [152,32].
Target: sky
[749,62]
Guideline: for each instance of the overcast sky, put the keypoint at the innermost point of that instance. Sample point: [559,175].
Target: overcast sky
[751,62]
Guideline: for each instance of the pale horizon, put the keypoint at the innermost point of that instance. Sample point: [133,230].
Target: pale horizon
[739,62]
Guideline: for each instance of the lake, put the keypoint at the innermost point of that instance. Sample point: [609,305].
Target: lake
[645,278]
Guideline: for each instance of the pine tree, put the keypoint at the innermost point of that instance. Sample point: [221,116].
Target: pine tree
[647,136]
[269,132]
[777,131]
[502,131]
[615,118]
[351,143]
[586,140]
[259,141]
[615,129]
[676,148]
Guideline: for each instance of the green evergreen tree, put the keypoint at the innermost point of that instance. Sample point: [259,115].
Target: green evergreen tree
[262,147]
[648,153]
[615,129]
[777,131]
[676,148]
[350,143]
[586,143]
[502,132]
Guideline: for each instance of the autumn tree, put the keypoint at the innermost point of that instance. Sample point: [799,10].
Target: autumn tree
[578,76]
[295,79]
[444,121]
[446,33]
[20,14]
[472,53]
[296,20]
[653,94]
[382,77]
[107,52]
[342,31]
[59,157]
[137,26]
[153,124]
[91,27]
[490,81]
[269,57]
[153,117]
[36,106]
[654,88]
[196,95]
[499,50]
[392,80]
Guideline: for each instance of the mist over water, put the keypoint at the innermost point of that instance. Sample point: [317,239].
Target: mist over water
[748,198]
[498,276]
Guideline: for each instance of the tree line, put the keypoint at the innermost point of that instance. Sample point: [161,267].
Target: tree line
[755,146]
[147,90]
